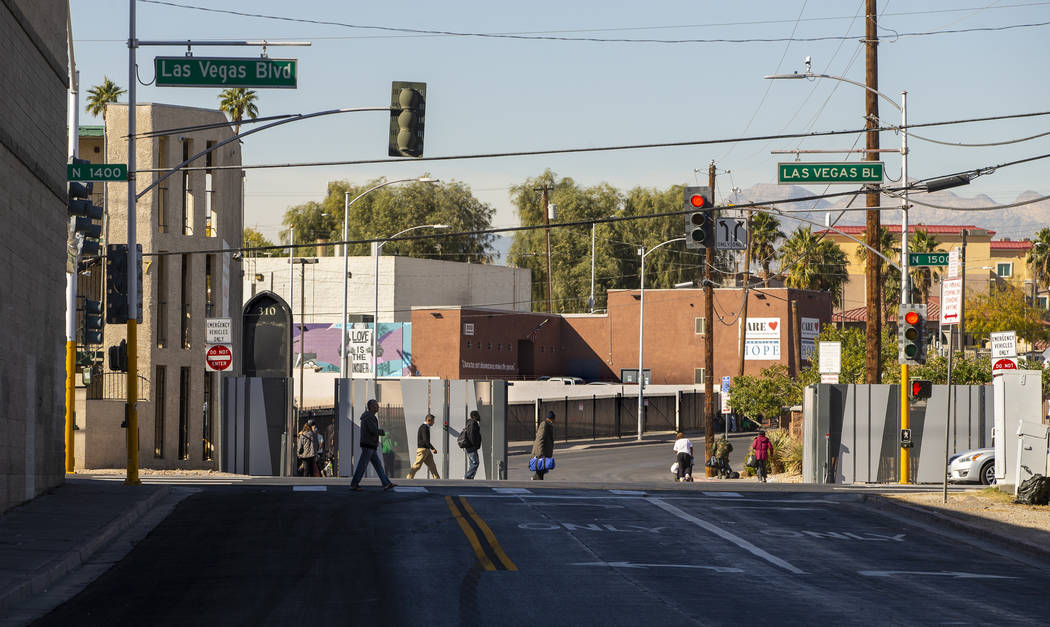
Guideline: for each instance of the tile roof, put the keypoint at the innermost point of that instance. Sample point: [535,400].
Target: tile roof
[859,314]
[955,229]
[1003,245]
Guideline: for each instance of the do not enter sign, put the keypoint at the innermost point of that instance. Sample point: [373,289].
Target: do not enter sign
[1006,363]
[219,357]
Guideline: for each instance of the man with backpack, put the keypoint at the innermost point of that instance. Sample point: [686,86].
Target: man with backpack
[470,441]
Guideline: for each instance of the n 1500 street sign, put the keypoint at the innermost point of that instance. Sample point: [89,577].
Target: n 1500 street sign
[225,72]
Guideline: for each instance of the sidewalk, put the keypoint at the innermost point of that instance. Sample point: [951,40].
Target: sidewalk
[51,536]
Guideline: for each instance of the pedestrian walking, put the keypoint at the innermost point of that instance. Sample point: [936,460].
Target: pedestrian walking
[470,441]
[683,449]
[763,449]
[722,449]
[543,446]
[424,450]
[370,433]
[307,450]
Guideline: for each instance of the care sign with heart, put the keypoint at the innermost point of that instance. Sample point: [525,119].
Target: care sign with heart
[762,342]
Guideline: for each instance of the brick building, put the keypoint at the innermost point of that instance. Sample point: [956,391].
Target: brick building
[465,342]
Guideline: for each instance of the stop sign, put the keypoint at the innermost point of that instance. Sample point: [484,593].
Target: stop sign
[219,357]
[1004,364]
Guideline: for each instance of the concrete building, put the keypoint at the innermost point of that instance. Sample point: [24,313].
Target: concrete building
[33,154]
[190,212]
[470,342]
[404,283]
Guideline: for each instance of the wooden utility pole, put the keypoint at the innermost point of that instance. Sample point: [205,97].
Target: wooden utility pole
[742,340]
[547,229]
[709,338]
[872,282]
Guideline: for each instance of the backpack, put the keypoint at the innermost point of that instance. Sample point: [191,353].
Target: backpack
[463,441]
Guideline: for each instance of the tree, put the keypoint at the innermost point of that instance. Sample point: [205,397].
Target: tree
[762,397]
[890,290]
[922,277]
[238,102]
[765,233]
[1003,309]
[853,351]
[252,238]
[1038,258]
[388,210]
[101,95]
[811,262]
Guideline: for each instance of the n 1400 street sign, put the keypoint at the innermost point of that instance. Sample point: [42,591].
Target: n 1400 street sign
[96,172]
[225,72]
[849,172]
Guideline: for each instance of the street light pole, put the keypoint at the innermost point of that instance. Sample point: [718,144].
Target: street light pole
[347,203]
[375,316]
[641,327]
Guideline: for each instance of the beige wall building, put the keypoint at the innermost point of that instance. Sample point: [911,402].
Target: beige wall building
[33,149]
[180,225]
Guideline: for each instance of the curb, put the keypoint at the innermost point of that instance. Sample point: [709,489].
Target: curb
[42,580]
[883,503]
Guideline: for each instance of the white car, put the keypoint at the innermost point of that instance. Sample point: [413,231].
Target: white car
[566,380]
[976,466]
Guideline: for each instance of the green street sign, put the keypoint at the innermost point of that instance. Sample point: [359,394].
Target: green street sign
[97,172]
[225,72]
[927,259]
[794,173]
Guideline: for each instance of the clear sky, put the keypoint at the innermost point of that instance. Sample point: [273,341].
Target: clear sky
[499,94]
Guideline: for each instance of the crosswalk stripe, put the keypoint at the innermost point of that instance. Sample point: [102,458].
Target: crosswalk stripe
[409,488]
[309,488]
[511,491]
[737,494]
[630,492]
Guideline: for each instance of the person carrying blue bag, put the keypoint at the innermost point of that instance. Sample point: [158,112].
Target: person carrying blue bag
[543,448]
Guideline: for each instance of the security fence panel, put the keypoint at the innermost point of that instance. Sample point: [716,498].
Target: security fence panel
[458,410]
[346,455]
[256,418]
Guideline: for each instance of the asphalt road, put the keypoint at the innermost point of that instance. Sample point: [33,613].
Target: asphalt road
[488,554]
[623,461]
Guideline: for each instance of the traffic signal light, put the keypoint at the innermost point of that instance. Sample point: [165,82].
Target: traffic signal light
[911,335]
[92,322]
[83,231]
[408,108]
[699,222]
[118,357]
[117,283]
[921,389]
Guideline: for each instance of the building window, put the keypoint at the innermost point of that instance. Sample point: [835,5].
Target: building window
[159,402]
[700,326]
[1004,270]
[208,437]
[468,343]
[209,286]
[1041,302]
[209,194]
[187,194]
[161,281]
[698,373]
[488,346]
[184,310]
[162,189]
[184,413]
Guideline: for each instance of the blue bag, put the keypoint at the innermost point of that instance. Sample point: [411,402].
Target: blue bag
[541,463]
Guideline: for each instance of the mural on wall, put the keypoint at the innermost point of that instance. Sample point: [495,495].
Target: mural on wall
[323,344]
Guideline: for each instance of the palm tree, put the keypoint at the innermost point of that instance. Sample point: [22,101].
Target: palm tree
[922,278]
[238,102]
[1038,259]
[101,95]
[810,262]
[765,233]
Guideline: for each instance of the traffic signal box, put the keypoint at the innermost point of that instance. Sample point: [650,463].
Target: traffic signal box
[82,216]
[699,221]
[118,357]
[92,322]
[117,283]
[408,108]
[911,335]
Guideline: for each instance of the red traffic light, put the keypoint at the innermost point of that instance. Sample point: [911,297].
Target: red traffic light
[698,201]
[911,317]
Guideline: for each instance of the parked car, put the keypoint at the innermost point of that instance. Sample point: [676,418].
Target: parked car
[567,380]
[976,466]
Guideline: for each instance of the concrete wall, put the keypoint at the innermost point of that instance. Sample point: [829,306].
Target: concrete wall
[419,282]
[213,222]
[32,247]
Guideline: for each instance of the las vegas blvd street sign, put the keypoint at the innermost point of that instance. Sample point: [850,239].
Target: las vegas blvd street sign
[225,72]
[97,172]
[795,172]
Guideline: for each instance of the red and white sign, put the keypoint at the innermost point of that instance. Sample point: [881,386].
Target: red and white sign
[1006,363]
[219,358]
[951,301]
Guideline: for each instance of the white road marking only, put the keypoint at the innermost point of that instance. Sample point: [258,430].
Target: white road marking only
[736,494]
[409,488]
[511,491]
[309,488]
[629,492]
[737,540]
[943,573]
[717,569]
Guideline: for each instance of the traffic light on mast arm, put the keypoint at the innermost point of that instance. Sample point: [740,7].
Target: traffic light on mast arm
[911,335]
[699,221]
[83,232]
[408,108]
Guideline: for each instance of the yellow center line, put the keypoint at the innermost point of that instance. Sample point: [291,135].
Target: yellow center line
[491,537]
[471,536]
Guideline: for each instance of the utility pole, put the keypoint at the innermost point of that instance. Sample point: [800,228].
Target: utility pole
[547,230]
[709,340]
[872,327]
[741,341]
